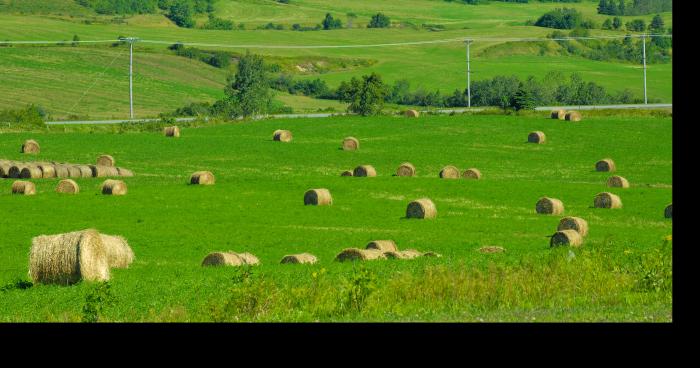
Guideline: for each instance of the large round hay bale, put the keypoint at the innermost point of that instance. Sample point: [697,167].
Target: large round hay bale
[202,178]
[607,200]
[616,181]
[31,172]
[15,170]
[365,171]
[346,173]
[668,211]
[85,170]
[573,223]
[114,187]
[472,174]
[351,144]
[449,172]
[172,131]
[68,258]
[249,259]
[406,169]
[355,254]
[222,259]
[383,245]
[282,135]
[422,208]
[558,114]
[549,206]
[124,172]
[5,168]
[30,146]
[318,197]
[47,171]
[74,171]
[67,186]
[573,116]
[302,258]
[606,164]
[98,171]
[23,187]
[119,253]
[566,237]
[412,113]
[105,160]
[492,249]
[536,137]
[62,171]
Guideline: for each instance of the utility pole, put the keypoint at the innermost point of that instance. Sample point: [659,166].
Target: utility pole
[469,72]
[131,41]
[644,60]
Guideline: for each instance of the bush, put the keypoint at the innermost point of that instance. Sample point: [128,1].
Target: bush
[218,23]
[560,18]
[331,23]
[379,20]
[31,116]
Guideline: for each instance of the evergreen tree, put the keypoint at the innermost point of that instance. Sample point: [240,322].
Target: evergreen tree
[617,23]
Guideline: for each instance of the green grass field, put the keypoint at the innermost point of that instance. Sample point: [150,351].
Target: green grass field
[256,206]
[55,77]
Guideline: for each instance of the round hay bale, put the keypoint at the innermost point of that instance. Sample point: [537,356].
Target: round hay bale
[383,245]
[406,169]
[30,146]
[67,186]
[492,249]
[172,131]
[472,174]
[98,171]
[616,181]
[346,173]
[105,160]
[606,164]
[566,237]
[558,114]
[202,178]
[574,223]
[31,172]
[114,187]
[355,254]
[549,206]
[74,171]
[68,258]
[365,171]
[15,170]
[302,258]
[607,200]
[412,113]
[318,197]
[422,208]
[536,137]
[5,169]
[394,254]
[222,259]
[119,253]
[23,187]
[248,259]
[85,170]
[47,171]
[351,144]
[124,172]
[432,254]
[449,172]
[573,116]
[282,135]
[668,211]
[62,171]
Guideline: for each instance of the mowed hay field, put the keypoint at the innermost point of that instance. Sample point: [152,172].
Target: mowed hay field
[256,206]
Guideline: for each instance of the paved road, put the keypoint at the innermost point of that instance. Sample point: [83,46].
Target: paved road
[325,115]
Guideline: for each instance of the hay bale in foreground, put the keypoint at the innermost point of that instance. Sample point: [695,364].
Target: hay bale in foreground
[472,174]
[536,137]
[412,113]
[422,208]
[318,197]
[606,164]
[302,258]
[98,171]
[105,160]
[406,169]
[114,187]
[282,135]
[67,186]
[23,187]
[119,253]
[492,249]
[549,206]
[172,131]
[573,116]
[668,211]
[202,178]
[573,223]
[346,173]
[249,259]
[68,258]
[566,237]
[31,172]
[30,146]
[351,144]
[607,200]
[618,182]
[355,254]
[449,172]
[365,171]
[124,172]
[383,245]
[558,114]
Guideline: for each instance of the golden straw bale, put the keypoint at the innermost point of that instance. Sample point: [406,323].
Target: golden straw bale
[346,173]
[202,178]
[318,197]
[47,170]
[365,171]
[23,187]
[114,187]
[351,144]
[412,113]
[566,237]
[172,131]
[31,172]
[383,245]
[30,146]
[607,200]
[85,170]
[105,160]
[573,223]
[15,170]
[282,135]
[302,258]
[472,174]
[606,164]
[249,259]
[406,169]
[61,171]
[558,114]
[549,206]
[119,253]
[573,116]
[124,172]
[616,181]
[355,254]
[222,259]
[449,172]
[422,208]
[98,171]
[67,186]
[536,137]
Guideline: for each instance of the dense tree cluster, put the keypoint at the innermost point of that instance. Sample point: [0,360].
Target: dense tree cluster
[563,19]
[636,7]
